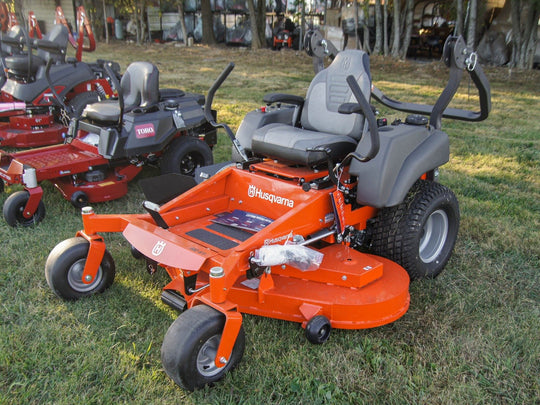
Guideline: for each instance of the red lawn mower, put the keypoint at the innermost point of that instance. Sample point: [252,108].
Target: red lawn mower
[30,115]
[323,221]
[110,144]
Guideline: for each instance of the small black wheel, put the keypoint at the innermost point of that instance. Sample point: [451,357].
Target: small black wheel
[420,233]
[136,253]
[14,208]
[65,266]
[318,329]
[184,155]
[79,199]
[190,346]
[2,186]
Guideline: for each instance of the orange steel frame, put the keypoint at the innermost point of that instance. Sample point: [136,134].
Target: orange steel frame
[352,289]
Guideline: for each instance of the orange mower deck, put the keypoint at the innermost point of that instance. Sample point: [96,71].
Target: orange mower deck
[353,290]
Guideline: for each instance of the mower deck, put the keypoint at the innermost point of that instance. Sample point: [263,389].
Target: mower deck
[51,162]
[25,131]
[352,289]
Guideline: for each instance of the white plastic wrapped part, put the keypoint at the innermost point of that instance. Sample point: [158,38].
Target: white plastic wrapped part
[301,257]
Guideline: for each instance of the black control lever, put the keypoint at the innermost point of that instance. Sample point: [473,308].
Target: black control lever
[208,110]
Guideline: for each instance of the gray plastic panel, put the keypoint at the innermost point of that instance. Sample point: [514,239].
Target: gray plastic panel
[406,152]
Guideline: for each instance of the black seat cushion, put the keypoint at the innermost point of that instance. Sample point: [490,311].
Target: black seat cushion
[18,64]
[322,126]
[106,111]
[295,145]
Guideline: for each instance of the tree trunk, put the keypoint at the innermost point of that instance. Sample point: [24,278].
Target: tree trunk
[471,29]
[356,39]
[530,13]
[207,23]
[516,31]
[458,29]
[106,23]
[256,42]
[366,43]
[378,28]
[385,28]
[524,33]
[182,17]
[261,21]
[135,18]
[409,14]
[396,30]
[142,23]
[533,38]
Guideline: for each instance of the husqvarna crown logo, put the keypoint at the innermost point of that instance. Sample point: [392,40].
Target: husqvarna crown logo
[158,248]
[254,192]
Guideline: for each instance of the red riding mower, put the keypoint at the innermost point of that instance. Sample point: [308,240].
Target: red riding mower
[324,224]
[108,146]
[30,114]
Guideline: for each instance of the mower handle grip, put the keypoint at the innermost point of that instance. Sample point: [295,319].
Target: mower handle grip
[208,110]
[11,41]
[210,96]
[365,108]
[48,46]
[51,86]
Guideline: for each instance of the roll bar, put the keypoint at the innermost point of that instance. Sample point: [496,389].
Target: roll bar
[457,57]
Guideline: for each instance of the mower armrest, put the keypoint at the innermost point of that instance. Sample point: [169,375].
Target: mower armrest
[350,108]
[283,98]
[49,46]
[12,41]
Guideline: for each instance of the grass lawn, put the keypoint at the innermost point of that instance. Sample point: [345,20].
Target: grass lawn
[470,336]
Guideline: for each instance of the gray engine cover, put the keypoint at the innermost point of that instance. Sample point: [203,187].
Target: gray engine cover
[406,153]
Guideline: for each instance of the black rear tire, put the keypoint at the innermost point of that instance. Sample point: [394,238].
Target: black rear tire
[190,345]
[184,155]
[420,233]
[64,269]
[14,208]
[80,101]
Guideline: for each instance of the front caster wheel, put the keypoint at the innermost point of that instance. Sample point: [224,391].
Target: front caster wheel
[14,209]
[190,346]
[79,199]
[318,329]
[65,266]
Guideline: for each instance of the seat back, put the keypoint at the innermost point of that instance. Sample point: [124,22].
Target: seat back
[59,34]
[140,85]
[329,89]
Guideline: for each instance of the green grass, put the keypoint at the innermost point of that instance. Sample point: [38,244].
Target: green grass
[470,336]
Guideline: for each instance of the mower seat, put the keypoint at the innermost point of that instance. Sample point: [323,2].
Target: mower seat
[322,126]
[52,46]
[140,89]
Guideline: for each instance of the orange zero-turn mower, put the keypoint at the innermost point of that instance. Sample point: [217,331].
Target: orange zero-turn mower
[284,232]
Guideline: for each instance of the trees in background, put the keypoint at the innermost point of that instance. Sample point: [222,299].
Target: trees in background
[525,15]
[393,22]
